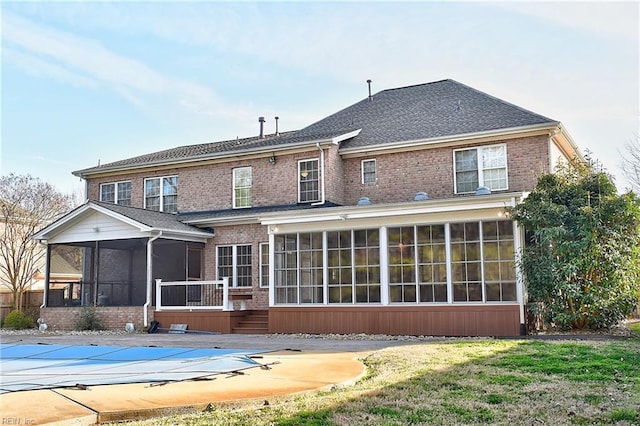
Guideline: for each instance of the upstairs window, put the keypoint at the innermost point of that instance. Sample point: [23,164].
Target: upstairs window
[368,171]
[308,181]
[485,166]
[116,193]
[242,182]
[161,194]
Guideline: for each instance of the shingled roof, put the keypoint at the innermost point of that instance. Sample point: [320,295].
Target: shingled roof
[426,111]
[150,218]
[192,152]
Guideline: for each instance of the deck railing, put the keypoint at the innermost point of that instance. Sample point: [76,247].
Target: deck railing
[193,295]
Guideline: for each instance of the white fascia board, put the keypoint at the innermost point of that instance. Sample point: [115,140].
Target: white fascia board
[475,202]
[68,219]
[452,139]
[566,137]
[196,237]
[42,234]
[337,139]
[85,173]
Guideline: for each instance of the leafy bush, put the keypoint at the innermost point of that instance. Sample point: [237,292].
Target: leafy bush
[88,319]
[18,320]
[582,256]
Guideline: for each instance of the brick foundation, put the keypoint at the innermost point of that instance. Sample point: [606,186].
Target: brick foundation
[111,317]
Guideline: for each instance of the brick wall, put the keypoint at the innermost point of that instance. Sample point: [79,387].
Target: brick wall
[334,172]
[111,317]
[241,234]
[210,187]
[401,175]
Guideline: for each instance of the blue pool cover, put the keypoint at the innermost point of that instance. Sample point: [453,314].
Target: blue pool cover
[29,367]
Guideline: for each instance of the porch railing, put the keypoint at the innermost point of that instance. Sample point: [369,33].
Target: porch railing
[193,295]
[105,293]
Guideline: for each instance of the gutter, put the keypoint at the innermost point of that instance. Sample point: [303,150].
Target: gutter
[46,280]
[145,315]
[220,156]
[459,139]
[87,173]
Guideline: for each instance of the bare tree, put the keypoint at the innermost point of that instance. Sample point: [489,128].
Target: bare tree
[631,163]
[26,205]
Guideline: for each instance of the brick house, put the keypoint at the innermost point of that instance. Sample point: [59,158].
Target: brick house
[389,216]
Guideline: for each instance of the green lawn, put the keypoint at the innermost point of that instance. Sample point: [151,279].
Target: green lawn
[465,381]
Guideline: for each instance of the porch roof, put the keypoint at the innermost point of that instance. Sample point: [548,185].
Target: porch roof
[98,221]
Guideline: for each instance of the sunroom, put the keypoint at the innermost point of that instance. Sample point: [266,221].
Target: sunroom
[429,267]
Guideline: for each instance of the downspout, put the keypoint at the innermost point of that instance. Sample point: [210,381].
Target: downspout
[322,175]
[145,315]
[47,267]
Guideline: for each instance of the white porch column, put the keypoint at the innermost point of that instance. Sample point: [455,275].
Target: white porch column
[384,266]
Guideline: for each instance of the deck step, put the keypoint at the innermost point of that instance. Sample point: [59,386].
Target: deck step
[255,322]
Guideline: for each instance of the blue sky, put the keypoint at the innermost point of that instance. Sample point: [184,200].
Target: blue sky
[84,82]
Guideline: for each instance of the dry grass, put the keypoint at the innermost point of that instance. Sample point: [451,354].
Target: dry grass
[478,381]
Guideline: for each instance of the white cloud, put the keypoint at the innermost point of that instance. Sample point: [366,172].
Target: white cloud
[39,67]
[612,18]
[86,62]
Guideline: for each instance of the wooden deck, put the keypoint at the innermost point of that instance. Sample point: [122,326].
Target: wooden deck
[444,320]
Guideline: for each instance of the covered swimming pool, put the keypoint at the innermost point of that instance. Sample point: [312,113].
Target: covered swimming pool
[40,366]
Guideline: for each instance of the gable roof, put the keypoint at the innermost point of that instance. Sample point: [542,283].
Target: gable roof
[426,111]
[144,223]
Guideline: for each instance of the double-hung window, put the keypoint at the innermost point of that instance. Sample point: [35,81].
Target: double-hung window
[483,166]
[264,264]
[242,182]
[161,194]
[235,262]
[368,171]
[308,181]
[116,193]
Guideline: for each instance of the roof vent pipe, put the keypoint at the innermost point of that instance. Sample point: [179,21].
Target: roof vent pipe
[261,120]
[277,118]
[369,84]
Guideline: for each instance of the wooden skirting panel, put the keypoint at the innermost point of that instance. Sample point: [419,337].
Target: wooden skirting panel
[488,320]
[216,321]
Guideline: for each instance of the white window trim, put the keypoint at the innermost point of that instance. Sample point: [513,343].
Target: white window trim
[115,190]
[375,173]
[162,178]
[479,167]
[233,189]
[384,269]
[234,264]
[263,247]
[298,176]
